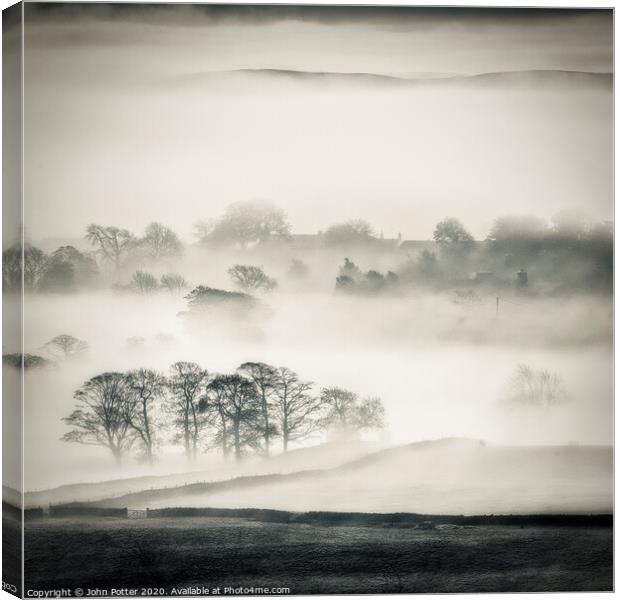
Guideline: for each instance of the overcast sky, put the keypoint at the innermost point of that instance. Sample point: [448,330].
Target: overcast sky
[126,124]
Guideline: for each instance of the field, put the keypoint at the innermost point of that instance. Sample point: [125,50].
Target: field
[110,553]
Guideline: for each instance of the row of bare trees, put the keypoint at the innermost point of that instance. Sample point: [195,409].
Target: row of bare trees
[114,245]
[242,412]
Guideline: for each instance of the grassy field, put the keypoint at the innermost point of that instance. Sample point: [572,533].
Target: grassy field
[231,552]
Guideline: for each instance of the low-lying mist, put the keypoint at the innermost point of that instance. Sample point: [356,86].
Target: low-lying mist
[442,368]
[181,145]
[444,477]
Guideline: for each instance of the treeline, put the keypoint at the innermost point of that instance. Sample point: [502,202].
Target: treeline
[248,278]
[526,253]
[115,247]
[567,254]
[352,280]
[569,251]
[247,411]
[69,269]
[65,269]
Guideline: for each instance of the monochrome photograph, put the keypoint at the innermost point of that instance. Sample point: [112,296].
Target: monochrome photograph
[306,299]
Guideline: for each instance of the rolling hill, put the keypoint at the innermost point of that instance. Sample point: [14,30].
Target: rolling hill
[322,456]
[450,476]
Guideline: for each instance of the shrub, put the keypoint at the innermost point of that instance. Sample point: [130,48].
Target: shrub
[173,283]
[144,282]
[203,297]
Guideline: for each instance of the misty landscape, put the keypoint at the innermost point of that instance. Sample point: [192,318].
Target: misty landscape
[335,319]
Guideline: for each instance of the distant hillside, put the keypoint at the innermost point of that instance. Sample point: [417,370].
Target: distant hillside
[452,476]
[535,78]
[540,78]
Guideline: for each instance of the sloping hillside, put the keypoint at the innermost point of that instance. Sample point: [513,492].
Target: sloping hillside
[322,456]
[451,476]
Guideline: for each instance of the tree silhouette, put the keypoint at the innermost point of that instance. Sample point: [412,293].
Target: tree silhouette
[214,401]
[112,243]
[27,361]
[32,263]
[241,411]
[536,387]
[265,379]
[370,414]
[296,408]
[521,235]
[144,282]
[355,231]
[100,418]
[147,388]
[173,283]
[66,345]
[345,411]
[160,242]
[240,407]
[251,278]
[451,233]
[203,298]
[340,405]
[67,269]
[186,383]
[248,222]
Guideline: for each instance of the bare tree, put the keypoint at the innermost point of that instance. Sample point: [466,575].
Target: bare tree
[12,268]
[340,405]
[34,265]
[100,418]
[161,242]
[112,244]
[370,414]
[537,387]
[147,388]
[240,407]
[251,278]
[32,262]
[265,378]
[215,402]
[296,408]
[186,383]
[66,345]
[347,413]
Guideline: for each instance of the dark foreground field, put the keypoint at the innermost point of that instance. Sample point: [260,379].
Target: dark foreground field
[314,558]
